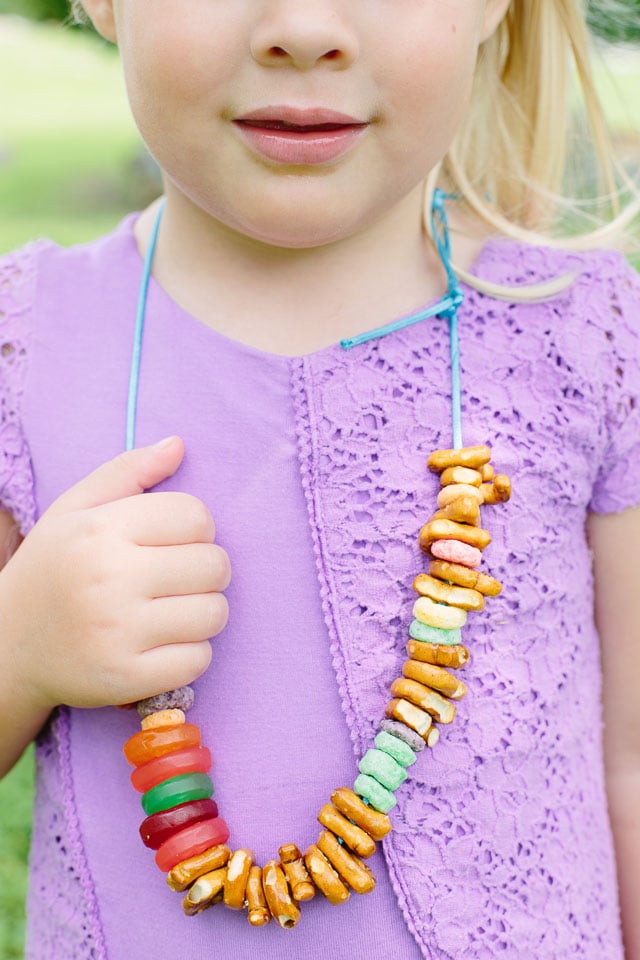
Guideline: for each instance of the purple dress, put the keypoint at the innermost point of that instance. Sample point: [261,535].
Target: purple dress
[314,469]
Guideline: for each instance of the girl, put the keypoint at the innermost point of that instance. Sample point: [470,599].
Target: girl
[295,140]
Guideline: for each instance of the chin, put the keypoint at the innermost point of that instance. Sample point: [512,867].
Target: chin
[299,229]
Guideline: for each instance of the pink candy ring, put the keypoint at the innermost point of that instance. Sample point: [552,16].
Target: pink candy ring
[456,552]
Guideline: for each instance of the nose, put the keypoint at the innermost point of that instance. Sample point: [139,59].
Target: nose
[303,34]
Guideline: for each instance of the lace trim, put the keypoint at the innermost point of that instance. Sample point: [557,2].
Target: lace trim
[64,918]
[17,286]
[302,402]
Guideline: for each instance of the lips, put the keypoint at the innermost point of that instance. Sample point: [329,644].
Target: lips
[293,135]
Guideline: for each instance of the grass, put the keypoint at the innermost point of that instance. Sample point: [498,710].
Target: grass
[67,170]
[67,144]
[16,791]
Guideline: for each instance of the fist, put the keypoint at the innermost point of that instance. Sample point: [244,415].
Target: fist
[115,593]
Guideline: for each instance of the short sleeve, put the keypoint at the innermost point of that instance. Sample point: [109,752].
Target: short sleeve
[617,485]
[17,289]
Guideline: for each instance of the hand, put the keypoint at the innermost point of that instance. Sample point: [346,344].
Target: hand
[114,593]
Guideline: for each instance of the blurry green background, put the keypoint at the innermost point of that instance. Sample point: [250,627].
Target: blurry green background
[71,165]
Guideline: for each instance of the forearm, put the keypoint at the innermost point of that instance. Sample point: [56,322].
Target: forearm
[21,716]
[20,723]
[623,788]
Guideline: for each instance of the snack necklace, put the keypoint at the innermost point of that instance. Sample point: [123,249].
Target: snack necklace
[171,766]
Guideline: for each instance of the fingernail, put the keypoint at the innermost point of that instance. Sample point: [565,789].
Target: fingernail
[164,443]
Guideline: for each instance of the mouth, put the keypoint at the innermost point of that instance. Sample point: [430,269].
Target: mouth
[291,135]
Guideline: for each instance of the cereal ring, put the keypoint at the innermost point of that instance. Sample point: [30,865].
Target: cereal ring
[181,699]
[425,634]
[395,747]
[387,771]
[442,592]
[456,552]
[404,733]
[439,614]
[163,718]
[374,793]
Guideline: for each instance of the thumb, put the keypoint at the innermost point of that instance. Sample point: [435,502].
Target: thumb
[127,474]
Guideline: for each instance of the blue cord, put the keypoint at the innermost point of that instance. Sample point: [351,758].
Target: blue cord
[440,232]
[447,306]
[134,376]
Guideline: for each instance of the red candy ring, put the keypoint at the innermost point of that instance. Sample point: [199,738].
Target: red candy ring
[190,760]
[191,841]
[159,827]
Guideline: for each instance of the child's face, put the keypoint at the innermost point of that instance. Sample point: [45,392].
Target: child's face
[401,69]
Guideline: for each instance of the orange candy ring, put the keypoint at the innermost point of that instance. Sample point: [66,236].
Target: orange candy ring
[146,745]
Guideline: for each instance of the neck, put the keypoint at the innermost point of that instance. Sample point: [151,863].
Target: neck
[296,300]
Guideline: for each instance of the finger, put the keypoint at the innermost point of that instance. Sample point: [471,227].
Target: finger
[125,475]
[181,570]
[160,519]
[169,667]
[184,619]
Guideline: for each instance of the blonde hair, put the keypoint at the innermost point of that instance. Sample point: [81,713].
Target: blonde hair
[524,132]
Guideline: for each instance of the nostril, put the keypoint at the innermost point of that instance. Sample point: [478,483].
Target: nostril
[332,54]
[277,52]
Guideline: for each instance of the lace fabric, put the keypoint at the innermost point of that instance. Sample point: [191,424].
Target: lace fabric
[494,831]
[17,280]
[501,843]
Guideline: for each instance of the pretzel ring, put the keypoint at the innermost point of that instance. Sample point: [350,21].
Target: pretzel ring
[350,868]
[324,876]
[276,891]
[434,677]
[450,530]
[472,457]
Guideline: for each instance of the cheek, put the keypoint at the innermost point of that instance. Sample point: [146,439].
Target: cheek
[428,103]
[171,73]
